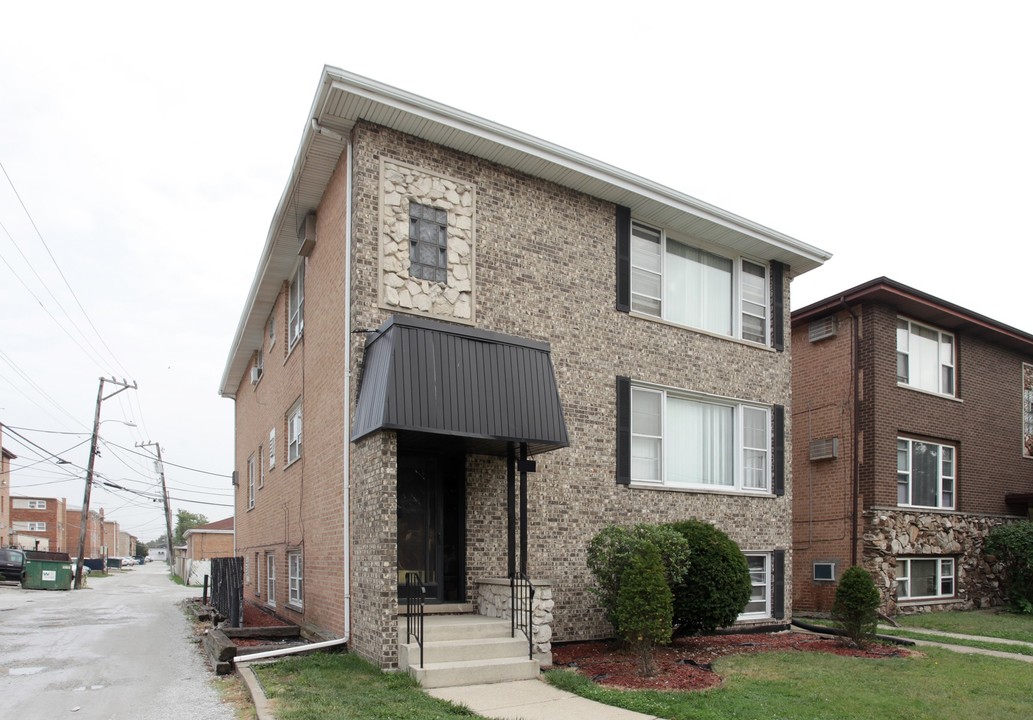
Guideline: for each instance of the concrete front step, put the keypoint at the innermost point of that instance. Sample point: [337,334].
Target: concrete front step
[459,627]
[474,672]
[440,651]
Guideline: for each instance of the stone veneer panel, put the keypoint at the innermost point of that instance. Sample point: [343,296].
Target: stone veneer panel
[399,291]
[495,600]
[893,533]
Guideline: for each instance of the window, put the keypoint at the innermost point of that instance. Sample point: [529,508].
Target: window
[37,504]
[711,443]
[925,357]
[919,578]
[259,364]
[270,578]
[824,571]
[258,576]
[428,242]
[247,570]
[297,305]
[294,433]
[37,527]
[1027,410]
[295,586]
[272,448]
[697,288]
[925,474]
[272,330]
[760,586]
[261,467]
[251,482]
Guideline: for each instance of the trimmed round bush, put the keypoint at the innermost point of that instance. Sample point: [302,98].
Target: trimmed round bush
[716,586]
[856,608]
[644,603]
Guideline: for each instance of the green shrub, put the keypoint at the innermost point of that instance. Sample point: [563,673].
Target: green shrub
[644,603]
[716,586]
[856,608]
[1013,545]
[610,551]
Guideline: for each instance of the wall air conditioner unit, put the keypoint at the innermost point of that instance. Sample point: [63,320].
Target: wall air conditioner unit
[822,329]
[235,478]
[307,235]
[256,373]
[825,448]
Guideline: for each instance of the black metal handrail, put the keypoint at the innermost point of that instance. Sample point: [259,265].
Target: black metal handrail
[415,600]
[521,602]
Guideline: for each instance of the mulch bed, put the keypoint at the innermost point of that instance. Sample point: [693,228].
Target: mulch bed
[686,664]
[255,616]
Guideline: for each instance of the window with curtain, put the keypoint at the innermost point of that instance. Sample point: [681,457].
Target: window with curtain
[681,440]
[925,474]
[925,357]
[920,578]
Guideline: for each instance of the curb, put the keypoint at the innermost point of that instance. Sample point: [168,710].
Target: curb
[263,708]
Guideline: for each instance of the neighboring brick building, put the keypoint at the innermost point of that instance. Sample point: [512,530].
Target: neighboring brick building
[6,531]
[40,523]
[438,295]
[210,541]
[935,402]
[92,548]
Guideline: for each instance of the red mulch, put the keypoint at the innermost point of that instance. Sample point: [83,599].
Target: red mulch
[686,663]
[254,616]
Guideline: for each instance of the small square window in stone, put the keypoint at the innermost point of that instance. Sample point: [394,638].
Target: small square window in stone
[428,242]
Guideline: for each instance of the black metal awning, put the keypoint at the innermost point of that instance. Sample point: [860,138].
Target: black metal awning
[484,390]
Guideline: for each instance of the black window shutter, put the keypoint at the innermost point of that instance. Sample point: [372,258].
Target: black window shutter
[778,584]
[623,431]
[623,259]
[778,272]
[778,450]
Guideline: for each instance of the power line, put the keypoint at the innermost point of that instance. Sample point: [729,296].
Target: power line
[166,462]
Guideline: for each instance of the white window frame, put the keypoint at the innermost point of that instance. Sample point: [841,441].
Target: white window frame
[247,570]
[271,325]
[648,266]
[762,580]
[944,479]
[260,363]
[905,574]
[250,482]
[37,505]
[946,382]
[272,448]
[824,564]
[270,579]
[36,526]
[294,433]
[739,449]
[295,581]
[296,305]
[258,575]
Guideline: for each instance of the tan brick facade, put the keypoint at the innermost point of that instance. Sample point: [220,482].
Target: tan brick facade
[537,261]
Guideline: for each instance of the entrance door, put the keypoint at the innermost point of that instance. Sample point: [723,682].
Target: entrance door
[431,524]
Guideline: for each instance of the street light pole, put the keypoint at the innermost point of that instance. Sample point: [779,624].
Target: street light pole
[84,519]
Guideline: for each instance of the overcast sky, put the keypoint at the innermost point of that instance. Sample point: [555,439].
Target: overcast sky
[150,147]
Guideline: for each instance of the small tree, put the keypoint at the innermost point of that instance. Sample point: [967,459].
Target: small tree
[1013,545]
[186,521]
[644,603]
[610,551]
[716,586]
[856,607]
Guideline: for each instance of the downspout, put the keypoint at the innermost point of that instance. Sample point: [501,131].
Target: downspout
[854,354]
[346,489]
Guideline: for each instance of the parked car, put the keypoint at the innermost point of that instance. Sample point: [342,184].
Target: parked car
[12,564]
[85,567]
[128,561]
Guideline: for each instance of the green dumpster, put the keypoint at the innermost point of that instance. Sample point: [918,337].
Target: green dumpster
[48,575]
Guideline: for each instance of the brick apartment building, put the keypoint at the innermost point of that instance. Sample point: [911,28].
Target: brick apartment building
[912,439]
[94,534]
[40,523]
[440,297]
[6,531]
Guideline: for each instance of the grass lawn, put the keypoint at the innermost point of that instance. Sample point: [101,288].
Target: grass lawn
[812,686]
[989,623]
[344,686]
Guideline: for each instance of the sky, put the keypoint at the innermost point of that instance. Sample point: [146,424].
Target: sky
[145,146]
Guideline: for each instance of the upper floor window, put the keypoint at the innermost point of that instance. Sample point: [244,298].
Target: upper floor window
[261,467]
[692,286]
[925,357]
[296,303]
[1027,410]
[294,433]
[699,442]
[272,448]
[919,578]
[925,474]
[37,504]
[37,527]
[428,242]
[272,329]
[251,482]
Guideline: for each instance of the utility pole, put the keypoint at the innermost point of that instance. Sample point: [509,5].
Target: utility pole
[84,520]
[160,467]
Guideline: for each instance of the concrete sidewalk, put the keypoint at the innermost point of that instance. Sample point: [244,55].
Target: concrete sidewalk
[964,649]
[531,700]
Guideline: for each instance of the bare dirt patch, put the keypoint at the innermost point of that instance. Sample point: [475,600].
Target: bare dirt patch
[687,664]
